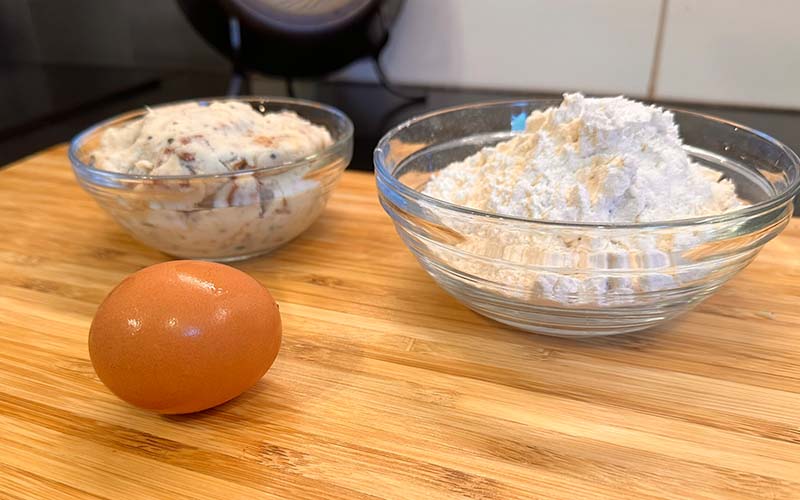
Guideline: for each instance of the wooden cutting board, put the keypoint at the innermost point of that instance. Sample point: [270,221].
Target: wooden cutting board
[385,386]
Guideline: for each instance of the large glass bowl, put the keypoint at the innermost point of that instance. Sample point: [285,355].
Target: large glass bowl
[486,260]
[186,216]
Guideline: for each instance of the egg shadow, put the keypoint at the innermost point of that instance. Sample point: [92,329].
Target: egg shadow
[281,395]
[233,410]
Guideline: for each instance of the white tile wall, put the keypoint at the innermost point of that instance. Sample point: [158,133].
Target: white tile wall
[743,52]
[731,51]
[598,46]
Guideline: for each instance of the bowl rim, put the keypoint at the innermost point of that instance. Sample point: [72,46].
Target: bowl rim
[383,174]
[78,140]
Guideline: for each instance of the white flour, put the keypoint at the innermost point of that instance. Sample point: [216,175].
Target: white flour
[589,160]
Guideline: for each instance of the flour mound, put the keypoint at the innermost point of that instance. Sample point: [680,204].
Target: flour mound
[588,160]
[609,160]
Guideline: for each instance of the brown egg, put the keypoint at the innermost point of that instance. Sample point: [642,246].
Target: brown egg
[183,336]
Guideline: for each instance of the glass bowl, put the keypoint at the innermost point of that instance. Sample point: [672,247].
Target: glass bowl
[487,262]
[186,216]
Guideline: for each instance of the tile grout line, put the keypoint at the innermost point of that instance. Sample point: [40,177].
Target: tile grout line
[656,64]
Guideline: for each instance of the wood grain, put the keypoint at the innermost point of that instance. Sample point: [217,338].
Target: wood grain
[385,386]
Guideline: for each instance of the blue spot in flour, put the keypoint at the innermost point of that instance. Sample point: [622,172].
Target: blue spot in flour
[518,122]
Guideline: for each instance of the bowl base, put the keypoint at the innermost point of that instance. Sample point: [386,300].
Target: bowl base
[223,260]
[561,321]
[567,332]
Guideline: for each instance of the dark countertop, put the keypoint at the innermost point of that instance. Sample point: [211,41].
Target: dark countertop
[44,105]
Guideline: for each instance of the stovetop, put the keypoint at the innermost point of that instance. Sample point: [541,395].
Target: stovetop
[58,115]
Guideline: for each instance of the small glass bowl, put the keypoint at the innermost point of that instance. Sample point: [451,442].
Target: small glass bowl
[487,262]
[179,215]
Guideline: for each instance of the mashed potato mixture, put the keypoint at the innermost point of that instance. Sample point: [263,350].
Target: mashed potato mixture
[196,139]
[202,216]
